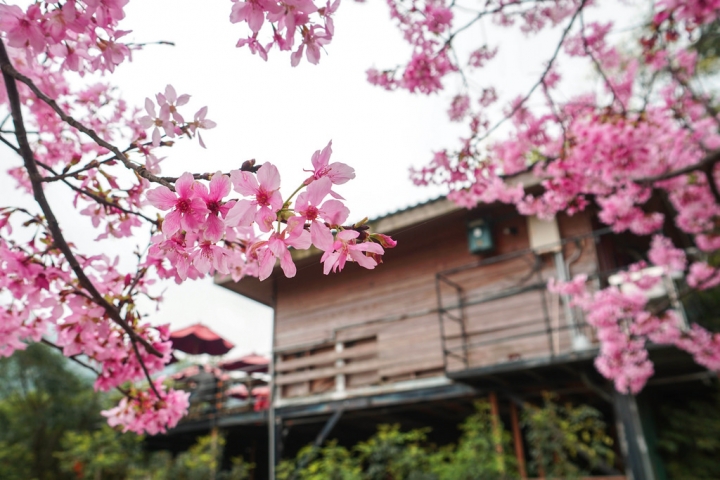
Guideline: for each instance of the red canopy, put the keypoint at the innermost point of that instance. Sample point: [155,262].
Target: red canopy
[197,339]
[249,363]
[193,370]
[261,391]
[238,391]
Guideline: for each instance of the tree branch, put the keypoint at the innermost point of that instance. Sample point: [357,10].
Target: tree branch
[710,160]
[97,198]
[540,80]
[39,195]
[81,363]
[10,73]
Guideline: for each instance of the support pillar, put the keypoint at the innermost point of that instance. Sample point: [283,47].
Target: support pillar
[632,437]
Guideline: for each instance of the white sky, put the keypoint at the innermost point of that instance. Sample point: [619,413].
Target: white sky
[272,112]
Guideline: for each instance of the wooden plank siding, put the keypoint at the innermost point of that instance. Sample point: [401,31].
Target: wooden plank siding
[381,326]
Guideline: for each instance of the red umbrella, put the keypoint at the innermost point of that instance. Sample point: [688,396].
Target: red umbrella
[238,391]
[197,339]
[249,363]
[262,391]
[193,370]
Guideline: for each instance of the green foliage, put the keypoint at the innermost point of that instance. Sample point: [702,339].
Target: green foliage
[41,399]
[331,462]
[566,441]
[109,455]
[708,48]
[689,437]
[103,453]
[51,429]
[483,452]
[391,453]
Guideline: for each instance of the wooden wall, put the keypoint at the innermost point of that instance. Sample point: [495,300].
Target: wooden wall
[360,328]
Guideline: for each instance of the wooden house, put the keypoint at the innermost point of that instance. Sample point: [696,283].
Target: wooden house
[458,310]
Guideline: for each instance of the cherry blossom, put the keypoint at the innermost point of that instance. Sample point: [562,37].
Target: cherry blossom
[83,136]
[345,248]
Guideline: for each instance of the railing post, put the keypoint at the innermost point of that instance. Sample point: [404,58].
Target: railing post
[518,441]
[339,363]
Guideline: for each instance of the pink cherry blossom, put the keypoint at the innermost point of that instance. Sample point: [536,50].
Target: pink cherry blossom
[213,197]
[265,190]
[345,248]
[338,173]
[332,211]
[277,245]
[188,210]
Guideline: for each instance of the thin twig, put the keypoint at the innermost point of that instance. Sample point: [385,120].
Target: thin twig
[599,68]
[82,364]
[540,80]
[10,72]
[711,159]
[144,368]
[98,198]
[710,175]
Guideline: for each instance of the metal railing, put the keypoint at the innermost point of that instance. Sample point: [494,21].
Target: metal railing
[527,321]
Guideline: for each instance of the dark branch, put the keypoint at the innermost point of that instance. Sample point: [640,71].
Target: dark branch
[540,80]
[98,198]
[10,73]
[39,195]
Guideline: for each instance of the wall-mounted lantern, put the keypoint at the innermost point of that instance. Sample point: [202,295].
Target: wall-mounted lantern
[479,236]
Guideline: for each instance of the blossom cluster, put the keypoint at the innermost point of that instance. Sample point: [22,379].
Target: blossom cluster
[81,35]
[143,412]
[205,232]
[624,325]
[423,24]
[290,21]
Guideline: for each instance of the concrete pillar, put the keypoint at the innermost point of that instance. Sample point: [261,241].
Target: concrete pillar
[632,438]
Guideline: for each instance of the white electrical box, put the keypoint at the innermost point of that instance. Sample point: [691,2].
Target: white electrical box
[544,235]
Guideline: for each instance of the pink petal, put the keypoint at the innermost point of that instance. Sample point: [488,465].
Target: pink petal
[269,177]
[341,173]
[162,198]
[171,224]
[296,56]
[219,186]
[276,201]
[287,265]
[334,212]
[301,242]
[265,219]
[266,263]
[150,107]
[362,260]
[184,185]
[321,159]
[321,236]
[318,190]
[170,94]
[347,235]
[244,182]
[182,100]
[368,247]
[241,214]
[214,228]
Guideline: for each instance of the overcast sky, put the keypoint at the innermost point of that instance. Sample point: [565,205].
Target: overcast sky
[275,113]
